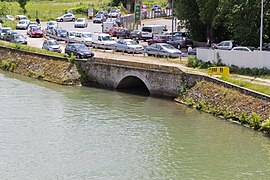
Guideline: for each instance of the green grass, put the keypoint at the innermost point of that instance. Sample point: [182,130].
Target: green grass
[253,86]
[28,48]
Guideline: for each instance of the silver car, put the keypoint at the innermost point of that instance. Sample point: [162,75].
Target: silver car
[51,45]
[128,45]
[66,17]
[3,31]
[163,50]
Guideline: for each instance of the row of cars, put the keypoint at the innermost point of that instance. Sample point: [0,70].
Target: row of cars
[7,34]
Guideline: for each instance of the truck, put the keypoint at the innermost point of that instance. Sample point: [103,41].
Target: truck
[107,26]
[149,31]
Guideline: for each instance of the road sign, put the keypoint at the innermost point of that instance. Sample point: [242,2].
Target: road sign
[137,13]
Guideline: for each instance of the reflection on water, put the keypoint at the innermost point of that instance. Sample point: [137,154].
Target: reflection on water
[49,131]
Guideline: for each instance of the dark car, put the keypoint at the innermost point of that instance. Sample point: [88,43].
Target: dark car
[159,39]
[18,38]
[8,35]
[180,42]
[60,33]
[162,49]
[79,50]
[266,47]
[156,7]
[135,34]
[123,32]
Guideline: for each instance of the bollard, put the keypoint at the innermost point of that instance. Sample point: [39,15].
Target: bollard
[133,51]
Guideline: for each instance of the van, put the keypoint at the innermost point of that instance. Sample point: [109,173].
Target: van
[101,40]
[148,32]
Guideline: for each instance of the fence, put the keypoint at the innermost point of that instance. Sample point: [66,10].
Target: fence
[255,59]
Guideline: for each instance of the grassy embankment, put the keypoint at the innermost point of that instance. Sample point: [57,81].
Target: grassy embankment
[49,10]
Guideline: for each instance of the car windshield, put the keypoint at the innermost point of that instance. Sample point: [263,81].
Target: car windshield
[107,38]
[167,46]
[113,11]
[98,16]
[22,22]
[18,36]
[86,35]
[5,30]
[62,31]
[82,47]
[80,20]
[36,28]
[131,43]
[72,33]
[135,32]
[53,43]
[147,29]
[51,23]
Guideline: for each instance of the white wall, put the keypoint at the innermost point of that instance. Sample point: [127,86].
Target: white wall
[255,59]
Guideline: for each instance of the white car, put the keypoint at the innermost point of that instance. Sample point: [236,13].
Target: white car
[66,17]
[243,48]
[71,36]
[9,17]
[115,13]
[101,40]
[128,45]
[52,24]
[80,22]
[84,37]
[22,24]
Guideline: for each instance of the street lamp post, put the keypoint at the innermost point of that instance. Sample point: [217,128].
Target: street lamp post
[261,31]
[172,16]
[111,10]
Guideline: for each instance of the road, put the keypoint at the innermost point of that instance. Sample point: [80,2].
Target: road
[93,27]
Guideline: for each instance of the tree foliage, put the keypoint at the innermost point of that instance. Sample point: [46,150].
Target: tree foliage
[22,4]
[225,19]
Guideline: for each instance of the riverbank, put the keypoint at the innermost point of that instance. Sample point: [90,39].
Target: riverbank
[228,103]
[48,68]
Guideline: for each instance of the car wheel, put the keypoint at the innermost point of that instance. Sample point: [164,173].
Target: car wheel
[78,56]
[73,19]
[61,20]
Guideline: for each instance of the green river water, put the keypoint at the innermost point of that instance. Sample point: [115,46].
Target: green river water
[49,131]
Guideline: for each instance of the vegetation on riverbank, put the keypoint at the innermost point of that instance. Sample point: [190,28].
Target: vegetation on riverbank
[246,83]
[228,103]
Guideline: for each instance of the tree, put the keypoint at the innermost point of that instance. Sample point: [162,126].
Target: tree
[22,4]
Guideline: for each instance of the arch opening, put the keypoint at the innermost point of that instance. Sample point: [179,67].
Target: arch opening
[133,85]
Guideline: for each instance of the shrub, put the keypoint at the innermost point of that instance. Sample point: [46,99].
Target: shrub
[5,65]
[266,125]
[255,121]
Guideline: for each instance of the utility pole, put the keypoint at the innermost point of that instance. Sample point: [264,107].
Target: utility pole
[261,31]
[172,17]
[111,10]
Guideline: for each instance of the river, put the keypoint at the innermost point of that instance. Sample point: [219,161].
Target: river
[49,131]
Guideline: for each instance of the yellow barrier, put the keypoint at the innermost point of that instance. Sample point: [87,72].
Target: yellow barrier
[224,71]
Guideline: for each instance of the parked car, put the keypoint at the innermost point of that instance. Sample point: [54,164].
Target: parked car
[66,17]
[18,38]
[79,50]
[162,49]
[104,13]
[36,31]
[52,24]
[192,52]
[8,35]
[266,47]
[180,42]
[71,36]
[29,28]
[4,30]
[156,7]
[99,18]
[80,22]
[60,33]
[113,31]
[115,13]
[128,45]
[101,40]
[84,37]
[135,34]
[51,45]
[243,48]
[227,45]
[159,39]
[123,32]
[22,24]
[9,17]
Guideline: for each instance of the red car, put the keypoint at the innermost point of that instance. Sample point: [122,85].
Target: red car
[159,39]
[36,32]
[113,31]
